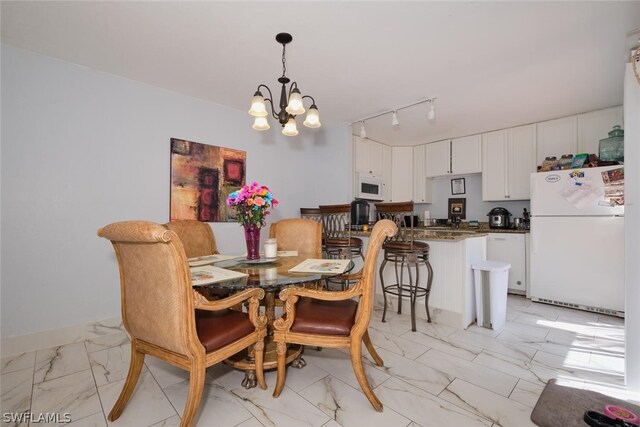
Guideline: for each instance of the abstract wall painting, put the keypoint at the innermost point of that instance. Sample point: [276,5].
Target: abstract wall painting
[202,176]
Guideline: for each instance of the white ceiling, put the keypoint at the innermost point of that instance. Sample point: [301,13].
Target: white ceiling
[491,64]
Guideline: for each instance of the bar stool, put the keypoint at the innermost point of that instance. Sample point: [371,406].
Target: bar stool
[311,213]
[336,231]
[403,252]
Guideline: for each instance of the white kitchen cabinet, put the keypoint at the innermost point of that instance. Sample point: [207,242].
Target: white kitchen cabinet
[511,248]
[367,156]
[494,166]
[458,156]
[466,155]
[386,171]
[596,125]
[421,184]
[438,160]
[556,137]
[401,174]
[508,159]
[521,161]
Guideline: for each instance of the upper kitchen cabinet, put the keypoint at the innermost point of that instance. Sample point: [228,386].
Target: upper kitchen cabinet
[401,174]
[368,156]
[556,137]
[596,125]
[458,156]
[421,184]
[508,159]
[466,155]
[438,160]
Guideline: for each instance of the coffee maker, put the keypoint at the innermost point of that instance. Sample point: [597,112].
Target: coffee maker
[359,212]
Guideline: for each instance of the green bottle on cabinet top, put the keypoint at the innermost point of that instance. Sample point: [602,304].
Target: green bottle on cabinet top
[612,148]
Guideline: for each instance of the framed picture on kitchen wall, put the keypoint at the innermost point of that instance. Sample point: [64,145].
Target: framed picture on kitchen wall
[457,186]
[458,208]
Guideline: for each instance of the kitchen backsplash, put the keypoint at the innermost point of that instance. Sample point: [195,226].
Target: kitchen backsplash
[475,207]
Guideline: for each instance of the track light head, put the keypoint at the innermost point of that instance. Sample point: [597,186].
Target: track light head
[431,115]
[394,119]
[363,132]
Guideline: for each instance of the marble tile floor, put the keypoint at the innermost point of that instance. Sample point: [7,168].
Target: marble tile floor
[437,376]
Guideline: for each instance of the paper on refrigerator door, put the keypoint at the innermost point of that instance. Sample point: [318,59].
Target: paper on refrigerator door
[580,192]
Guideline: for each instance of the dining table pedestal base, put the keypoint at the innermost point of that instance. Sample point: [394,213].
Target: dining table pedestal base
[245,361]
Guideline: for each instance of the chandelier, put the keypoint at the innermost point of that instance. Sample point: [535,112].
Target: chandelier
[291,101]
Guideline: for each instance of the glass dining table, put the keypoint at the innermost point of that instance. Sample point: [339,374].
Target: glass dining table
[272,275]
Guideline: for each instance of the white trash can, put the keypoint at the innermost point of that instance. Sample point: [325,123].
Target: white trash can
[491,279]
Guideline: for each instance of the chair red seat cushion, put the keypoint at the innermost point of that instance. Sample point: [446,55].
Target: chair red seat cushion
[324,317]
[219,328]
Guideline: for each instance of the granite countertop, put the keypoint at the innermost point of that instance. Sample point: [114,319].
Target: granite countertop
[449,233]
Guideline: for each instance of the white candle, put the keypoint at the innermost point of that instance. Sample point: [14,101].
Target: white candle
[271,248]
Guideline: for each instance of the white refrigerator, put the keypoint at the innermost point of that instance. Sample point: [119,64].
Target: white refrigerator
[577,240]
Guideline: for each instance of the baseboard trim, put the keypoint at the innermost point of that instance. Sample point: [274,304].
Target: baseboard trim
[12,346]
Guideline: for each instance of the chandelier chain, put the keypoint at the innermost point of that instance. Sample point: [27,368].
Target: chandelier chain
[284,60]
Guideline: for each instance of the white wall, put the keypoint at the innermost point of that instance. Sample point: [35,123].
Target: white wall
[476,208]
[81,149]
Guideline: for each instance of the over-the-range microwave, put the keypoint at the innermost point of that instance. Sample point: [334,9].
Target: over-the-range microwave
[369,187]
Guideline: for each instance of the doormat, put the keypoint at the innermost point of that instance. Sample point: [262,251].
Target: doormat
[561,406]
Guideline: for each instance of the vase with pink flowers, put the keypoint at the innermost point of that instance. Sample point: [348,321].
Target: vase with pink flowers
[252,204]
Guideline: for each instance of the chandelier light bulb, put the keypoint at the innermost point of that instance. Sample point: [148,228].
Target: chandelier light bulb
[290,129]
[394,119]
[258,107]
[363,132]
[295,107]
[431,115]
[313,117]
[261,123]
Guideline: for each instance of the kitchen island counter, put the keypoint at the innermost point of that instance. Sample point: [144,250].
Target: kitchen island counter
[452,299]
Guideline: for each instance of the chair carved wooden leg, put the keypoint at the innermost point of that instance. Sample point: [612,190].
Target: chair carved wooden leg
[135,367]
[281,350]
[358,369]
[259,357]
[196,385]
[371,349]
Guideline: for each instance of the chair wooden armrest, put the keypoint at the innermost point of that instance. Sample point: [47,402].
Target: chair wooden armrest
[253,295]
[298,291]
[353,276]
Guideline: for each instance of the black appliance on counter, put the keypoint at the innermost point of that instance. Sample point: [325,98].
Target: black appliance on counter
[416,221]
[499,218]
[359,212]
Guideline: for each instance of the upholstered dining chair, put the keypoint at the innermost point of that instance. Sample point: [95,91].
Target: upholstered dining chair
[298,234]
[197,237]
[198,240]
[334,319]
[166,318]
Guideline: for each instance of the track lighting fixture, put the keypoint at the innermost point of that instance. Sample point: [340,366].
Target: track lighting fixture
[431,114]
